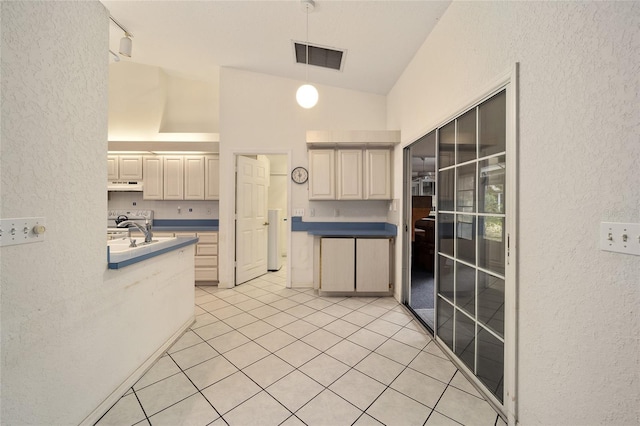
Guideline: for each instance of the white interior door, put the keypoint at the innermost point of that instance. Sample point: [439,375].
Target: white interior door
[251,224]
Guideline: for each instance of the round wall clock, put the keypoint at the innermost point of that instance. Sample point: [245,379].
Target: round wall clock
[299,175]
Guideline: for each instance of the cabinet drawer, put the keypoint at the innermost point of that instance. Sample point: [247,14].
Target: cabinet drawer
[206,250]
[162,234]
[208,237]
[206,274]
[206,261]
[185,234]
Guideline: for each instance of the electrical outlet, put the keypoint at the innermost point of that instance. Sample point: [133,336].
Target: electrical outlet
[312,212]
[298,212]
[336,212]
[208,211]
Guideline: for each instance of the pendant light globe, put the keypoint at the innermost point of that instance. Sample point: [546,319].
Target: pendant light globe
[307,96]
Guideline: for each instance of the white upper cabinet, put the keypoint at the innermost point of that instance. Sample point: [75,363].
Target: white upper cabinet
[212,177]
[173,177]
[194,177]
[112,167]
[362,167]
[130,167]
[124,167]
[322,174]
[152,177]
[349,178]
[360,174]
[377,172]
[169,177]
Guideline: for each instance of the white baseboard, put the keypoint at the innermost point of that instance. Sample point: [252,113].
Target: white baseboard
[134,377]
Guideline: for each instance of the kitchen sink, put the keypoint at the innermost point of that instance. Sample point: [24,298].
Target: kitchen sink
[121,245]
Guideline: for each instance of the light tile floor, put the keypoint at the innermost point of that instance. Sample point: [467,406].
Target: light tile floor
[262,354]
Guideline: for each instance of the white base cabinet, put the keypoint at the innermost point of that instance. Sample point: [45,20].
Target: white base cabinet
[337,264]
[372,264]
[206,260]
[206,252]
[361,265]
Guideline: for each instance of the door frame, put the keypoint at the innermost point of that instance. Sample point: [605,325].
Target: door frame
[232,203]
[509,79]
[406,229]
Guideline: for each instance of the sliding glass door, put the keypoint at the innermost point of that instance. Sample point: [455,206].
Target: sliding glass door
[472,239]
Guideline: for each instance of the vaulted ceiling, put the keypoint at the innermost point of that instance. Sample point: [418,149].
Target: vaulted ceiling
[195,38]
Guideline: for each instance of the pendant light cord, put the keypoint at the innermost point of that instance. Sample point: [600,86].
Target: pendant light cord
[306,68]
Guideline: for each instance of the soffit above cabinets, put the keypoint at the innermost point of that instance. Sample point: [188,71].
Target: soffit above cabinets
[166,146]
[352,138]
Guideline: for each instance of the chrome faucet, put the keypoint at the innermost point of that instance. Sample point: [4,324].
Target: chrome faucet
[146,230]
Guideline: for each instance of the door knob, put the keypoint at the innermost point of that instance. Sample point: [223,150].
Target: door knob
[266,223]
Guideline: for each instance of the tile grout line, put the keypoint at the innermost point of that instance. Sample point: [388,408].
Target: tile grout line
[141,406]
[198,391]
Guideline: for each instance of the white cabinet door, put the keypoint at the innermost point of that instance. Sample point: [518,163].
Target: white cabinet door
[377,174]
[337,264]
[194,177]
[349,179]
[212,177]
[173,177]
[322,174]
[112,167]
[152,177]
[372,264]
[130,167]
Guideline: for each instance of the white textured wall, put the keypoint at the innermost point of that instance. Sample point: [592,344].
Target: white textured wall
[54,128]
[63,349]
[579,155]
[259,114]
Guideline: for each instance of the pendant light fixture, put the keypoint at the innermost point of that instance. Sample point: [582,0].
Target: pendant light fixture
[307,95]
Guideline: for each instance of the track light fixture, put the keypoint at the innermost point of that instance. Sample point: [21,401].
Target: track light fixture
[125,45]
[307,95]
[125,42]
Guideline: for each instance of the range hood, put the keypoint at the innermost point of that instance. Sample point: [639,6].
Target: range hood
[131,186]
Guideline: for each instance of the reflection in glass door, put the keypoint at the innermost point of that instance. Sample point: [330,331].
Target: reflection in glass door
[421,220]
[470,265]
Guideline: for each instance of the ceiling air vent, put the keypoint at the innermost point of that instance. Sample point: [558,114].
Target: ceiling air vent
[319,56]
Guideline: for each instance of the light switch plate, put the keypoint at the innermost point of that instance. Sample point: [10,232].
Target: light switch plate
[620,237]
[21,231]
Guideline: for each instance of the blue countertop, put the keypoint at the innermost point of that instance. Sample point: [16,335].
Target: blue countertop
[120,260]
[185,225]
[344,229]
[185,228]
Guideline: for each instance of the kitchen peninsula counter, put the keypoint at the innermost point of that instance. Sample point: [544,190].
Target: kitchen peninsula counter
[126,258]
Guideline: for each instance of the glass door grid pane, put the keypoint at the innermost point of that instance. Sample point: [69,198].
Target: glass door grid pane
[471,225]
